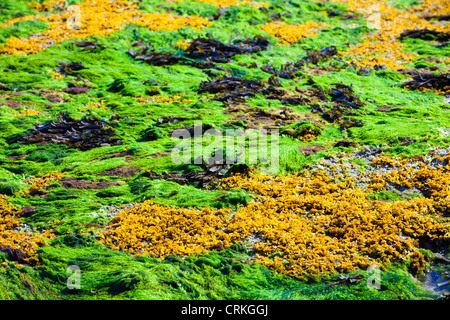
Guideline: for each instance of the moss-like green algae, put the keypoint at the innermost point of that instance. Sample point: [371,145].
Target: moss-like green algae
[108,274]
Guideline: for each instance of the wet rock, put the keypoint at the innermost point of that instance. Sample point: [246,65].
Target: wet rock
[425,34]
[76,183]
[229,84]
[211,172]
[230,89]
[430,81]
[28,211]
[76,89]
[346,144]
[89,45]
[194,131]
[123,172]
[387,108]
[439,17]
[343,280]
[350,123]
[4,87]
[69,68]
[52,96]
[311,149]
[155,58]
[286,71]
[15,254]
[257,118]
[404,141]
[344,96]
[16,104]
[439,257]
[217,51]
[298,96]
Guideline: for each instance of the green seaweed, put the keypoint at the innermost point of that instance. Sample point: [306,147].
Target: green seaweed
[108,274]
[115,80]
[23,29]
[10,9]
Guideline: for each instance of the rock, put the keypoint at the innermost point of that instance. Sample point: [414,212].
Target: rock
[346,144]
[76,89]
[441,258]
[311,149]
[4,87]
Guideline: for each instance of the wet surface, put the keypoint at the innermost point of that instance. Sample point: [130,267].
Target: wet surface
[436,281]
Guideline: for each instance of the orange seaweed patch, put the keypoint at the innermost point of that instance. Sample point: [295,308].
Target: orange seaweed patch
[47,5]
[40,182]
[163,99]
[382,47]
[229,3]
[29,112]
[20,246]
[320,223]
[160,230]
[290,34]
[12,22]
[94,17]
[57,75]
[94,106]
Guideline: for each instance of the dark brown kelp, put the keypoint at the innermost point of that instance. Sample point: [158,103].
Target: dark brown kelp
[216,51]
[83,134]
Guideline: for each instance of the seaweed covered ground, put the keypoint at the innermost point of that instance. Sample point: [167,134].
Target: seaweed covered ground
[349,198]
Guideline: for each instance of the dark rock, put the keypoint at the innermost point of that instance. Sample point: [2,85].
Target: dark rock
[311,149]
[75,89]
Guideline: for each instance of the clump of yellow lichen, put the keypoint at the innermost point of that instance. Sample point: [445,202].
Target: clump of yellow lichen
[229,3]
[40,182]
[290,34]
[21,246]
[179,98]
[57,75]
[47,5]
[162,230]
[29,112]
[308,133]
[319,222]
[94,17]
[383,47]
[183,44]
[12,22]
[94,106]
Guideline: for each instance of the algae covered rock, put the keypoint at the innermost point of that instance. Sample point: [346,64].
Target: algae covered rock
[153,133]
[74,240]
[232,198]
[8,189]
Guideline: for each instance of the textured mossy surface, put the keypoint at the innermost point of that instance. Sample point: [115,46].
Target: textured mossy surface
[75,216]
[108,274]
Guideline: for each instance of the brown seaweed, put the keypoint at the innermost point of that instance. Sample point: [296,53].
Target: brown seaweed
[425,34]
[82,134]
[211,172]
[428,80]
[216,51]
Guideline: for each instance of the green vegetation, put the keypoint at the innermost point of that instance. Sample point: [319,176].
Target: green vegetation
[115,80]
[108,274]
